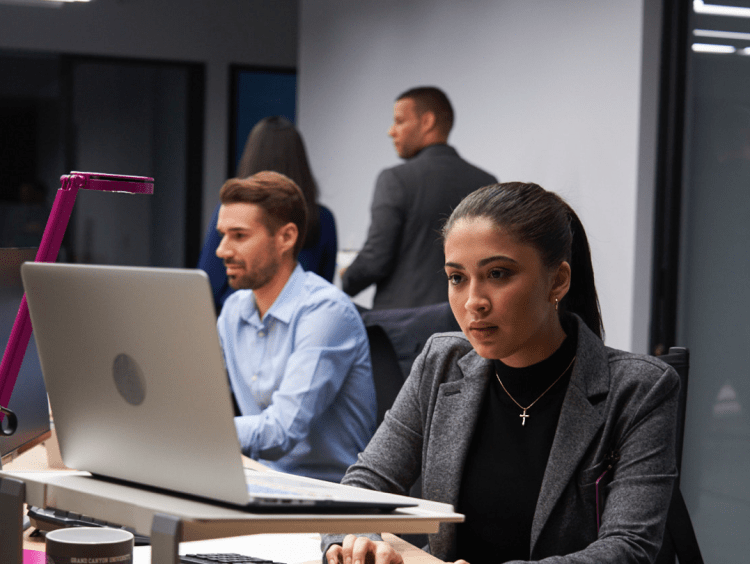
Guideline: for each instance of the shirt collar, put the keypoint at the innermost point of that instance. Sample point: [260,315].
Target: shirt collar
[284,304]
[436,149]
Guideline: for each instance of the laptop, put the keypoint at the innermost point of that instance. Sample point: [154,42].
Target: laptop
[139,392]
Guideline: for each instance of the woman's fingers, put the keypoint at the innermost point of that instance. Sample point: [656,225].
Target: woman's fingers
[335,554]
[357,549]
[362,550]
[386,554]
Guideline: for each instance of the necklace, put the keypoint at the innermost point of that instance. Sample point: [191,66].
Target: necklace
[523,416]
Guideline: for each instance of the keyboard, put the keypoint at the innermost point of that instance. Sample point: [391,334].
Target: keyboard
[283,485]
[227,558]
[50,519]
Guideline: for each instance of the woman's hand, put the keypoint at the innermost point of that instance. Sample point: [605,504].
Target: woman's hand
[362,550]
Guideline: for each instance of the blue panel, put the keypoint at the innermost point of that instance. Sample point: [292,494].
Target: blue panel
[259,95]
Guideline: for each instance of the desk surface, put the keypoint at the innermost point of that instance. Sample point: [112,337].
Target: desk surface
[292,548]
[135,507]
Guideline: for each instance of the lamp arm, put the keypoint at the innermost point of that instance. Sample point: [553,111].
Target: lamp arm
[52,238]
[48,250]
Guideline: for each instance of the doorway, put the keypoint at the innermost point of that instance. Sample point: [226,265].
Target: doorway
[112,115]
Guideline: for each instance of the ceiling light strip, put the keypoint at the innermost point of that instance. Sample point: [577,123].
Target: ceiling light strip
[711,48]
[718,10]
[721,34]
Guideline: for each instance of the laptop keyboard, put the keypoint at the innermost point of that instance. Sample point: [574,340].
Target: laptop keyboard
[283,484]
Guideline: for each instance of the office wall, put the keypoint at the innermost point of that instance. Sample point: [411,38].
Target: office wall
[250,32]
[544,91]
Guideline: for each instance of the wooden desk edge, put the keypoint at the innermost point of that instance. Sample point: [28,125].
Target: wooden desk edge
[54,489]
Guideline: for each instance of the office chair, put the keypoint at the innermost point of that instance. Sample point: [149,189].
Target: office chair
[679,537]
[409,328]
[386,372]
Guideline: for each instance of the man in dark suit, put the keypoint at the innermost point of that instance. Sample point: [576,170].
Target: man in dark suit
[403,254]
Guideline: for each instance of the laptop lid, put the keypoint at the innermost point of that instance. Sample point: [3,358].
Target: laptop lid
[136,379]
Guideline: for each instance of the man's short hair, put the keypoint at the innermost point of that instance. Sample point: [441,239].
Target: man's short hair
[432,99]
[280,198]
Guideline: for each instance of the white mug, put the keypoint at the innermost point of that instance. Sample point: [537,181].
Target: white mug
[89,545]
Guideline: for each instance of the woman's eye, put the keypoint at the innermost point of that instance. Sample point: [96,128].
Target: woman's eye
[454,279]
[498,273]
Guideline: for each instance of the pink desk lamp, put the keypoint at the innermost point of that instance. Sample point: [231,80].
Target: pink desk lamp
[50,246]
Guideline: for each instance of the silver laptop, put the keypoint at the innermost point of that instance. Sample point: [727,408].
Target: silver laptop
[139,392]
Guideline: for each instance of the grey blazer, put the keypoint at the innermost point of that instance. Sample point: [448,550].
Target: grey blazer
[403,253]
[619,409]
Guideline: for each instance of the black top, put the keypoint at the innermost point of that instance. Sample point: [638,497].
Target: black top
[506,460]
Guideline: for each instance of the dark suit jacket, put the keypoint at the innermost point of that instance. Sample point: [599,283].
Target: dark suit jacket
[616,402]
[409,328]
[403,253]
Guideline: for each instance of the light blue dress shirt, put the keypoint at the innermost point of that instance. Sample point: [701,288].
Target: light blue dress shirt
[302,377]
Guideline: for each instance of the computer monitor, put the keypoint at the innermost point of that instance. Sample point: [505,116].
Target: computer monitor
[29,399]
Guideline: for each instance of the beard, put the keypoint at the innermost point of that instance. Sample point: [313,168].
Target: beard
[258,275]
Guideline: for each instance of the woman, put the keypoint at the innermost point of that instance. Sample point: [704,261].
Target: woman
[275,144]
[517,420]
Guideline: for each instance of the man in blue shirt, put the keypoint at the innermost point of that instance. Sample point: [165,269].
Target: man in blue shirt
[295,347]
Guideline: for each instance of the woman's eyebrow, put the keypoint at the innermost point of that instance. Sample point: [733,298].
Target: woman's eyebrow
[488,260]
[483,262]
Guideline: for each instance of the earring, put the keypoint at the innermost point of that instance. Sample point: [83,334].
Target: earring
[557,302]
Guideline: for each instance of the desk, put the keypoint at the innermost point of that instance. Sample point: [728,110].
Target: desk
[291,548]
[169,519]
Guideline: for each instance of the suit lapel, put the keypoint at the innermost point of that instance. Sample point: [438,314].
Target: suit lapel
[578,425]
[457,407]
[454,418]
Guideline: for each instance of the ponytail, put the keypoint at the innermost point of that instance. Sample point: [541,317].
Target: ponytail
[582,298]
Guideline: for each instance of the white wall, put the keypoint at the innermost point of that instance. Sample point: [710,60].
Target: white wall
[544,91]
[218,33]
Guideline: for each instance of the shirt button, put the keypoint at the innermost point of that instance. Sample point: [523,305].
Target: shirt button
[261,333]
[255,377]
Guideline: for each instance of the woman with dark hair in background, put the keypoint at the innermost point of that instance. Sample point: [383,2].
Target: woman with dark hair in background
[555,447]
[275,144]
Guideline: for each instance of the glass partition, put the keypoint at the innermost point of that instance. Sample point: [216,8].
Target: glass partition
[713,317]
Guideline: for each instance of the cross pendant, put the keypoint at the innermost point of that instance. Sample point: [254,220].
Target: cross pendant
[523,417]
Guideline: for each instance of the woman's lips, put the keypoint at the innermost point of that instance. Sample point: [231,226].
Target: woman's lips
[483,330]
